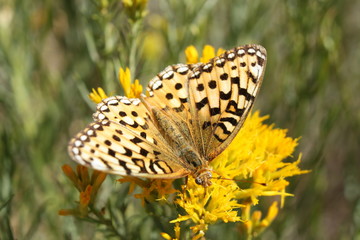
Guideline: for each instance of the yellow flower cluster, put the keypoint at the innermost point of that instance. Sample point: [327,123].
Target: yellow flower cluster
[192,55]
[254,158]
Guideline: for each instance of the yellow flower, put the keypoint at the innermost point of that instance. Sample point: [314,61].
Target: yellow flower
[131,90]
[191,54]
[97,95]
[208,52]
[87,187]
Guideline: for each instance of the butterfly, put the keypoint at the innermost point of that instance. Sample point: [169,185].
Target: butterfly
[191,113]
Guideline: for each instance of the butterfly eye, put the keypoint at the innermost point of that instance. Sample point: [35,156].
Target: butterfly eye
[198,181]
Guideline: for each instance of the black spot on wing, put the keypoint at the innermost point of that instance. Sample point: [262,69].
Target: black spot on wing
[218,138]
[183,100]
[212,84]
[260,61]
[231,120]
[144,152]
[223,127]
[224,76]
[111,152]
[136,140]
[178,86]
[244,92]
[225,96]
[214,111]
[140,163]
[235,80]
[123,164]
[200,87]
[202,103]
[128,152]
[116,138]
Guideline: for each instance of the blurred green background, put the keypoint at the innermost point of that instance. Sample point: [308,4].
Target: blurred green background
[53,52]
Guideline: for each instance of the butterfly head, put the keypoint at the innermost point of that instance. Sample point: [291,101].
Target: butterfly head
[203,177]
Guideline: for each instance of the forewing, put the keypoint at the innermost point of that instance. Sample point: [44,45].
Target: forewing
[123,140]
[208,102]
[221,94]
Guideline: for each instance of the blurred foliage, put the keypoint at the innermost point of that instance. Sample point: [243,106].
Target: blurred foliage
[53,52]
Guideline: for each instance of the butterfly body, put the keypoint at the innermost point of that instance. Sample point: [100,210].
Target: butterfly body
[191,159]
[191,114]
[177,141]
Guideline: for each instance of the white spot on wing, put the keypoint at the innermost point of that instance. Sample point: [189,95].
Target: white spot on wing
[101,116]
[125,101]
[157,85]
[182,69]
[112,101]
[207,66]
[83,138]
[136,101]
[77,143]
[168,74]
[231,55]
[103,108]
[75,151]
[259,54]
[241,51]
[220,61]
[251,50]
